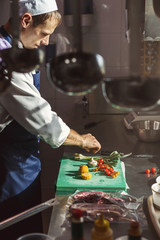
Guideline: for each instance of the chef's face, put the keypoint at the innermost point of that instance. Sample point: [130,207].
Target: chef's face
[33,36]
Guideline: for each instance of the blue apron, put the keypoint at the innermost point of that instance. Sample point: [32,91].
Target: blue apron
[19,153]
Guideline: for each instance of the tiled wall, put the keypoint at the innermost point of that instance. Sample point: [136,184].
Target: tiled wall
[105,36]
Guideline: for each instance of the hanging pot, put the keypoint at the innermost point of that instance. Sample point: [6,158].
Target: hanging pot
[156,7]
[77,72]
[134,92]
[21,59]
[129,94]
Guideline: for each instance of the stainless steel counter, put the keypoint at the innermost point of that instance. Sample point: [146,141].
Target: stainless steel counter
[139,184]
[113,136]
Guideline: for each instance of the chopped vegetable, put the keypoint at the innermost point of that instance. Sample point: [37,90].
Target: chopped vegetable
[96,169]
[86,176]
[83,169]
[114,174]
[79,156]
[92,162]
[111,160]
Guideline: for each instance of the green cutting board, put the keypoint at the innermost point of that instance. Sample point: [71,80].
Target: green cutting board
[69,180]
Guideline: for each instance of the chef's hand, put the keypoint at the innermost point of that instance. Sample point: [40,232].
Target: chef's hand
[85,141]
[90,143]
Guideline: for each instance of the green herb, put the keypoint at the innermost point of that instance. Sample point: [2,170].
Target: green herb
[79,156]
[111,160]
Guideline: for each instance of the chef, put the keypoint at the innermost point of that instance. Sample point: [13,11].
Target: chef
[25,117]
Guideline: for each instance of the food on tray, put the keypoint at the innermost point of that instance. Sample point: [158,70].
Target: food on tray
[86,176]
[116,207]
[92,162]
[111,160]
[110,211]
[107,170]
[95,197]
[83,169]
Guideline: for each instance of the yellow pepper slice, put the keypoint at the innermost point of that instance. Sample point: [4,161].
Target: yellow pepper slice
[83,169]
[86,176]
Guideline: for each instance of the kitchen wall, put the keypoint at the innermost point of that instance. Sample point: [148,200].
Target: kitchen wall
[106,36]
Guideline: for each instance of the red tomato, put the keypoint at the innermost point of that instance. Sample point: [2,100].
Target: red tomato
[153,170]
[107,172]
[102,167]
[101,160]
[111,170]
[147,171]
[99,164]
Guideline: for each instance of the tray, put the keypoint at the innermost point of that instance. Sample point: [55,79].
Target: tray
[69,180]
[154,214]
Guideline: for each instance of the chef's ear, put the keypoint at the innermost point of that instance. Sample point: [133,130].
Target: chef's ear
[26,20]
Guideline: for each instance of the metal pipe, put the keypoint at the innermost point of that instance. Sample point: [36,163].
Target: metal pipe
[77,34]
[136,13]
[14,6]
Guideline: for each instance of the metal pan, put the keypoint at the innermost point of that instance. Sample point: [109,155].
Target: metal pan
[77,72]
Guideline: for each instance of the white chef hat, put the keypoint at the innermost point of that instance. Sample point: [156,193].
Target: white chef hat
[37,7]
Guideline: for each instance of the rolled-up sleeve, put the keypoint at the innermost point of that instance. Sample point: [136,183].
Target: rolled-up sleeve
[24,103]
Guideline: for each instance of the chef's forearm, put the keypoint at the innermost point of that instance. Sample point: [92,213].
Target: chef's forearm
[74,139]
[85,141]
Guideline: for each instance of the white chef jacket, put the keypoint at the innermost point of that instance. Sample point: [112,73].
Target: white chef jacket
[24,103]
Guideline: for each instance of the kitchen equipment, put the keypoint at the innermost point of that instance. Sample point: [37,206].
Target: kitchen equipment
[147,130]
[101,229]
[35,236]
[132,93]
[158,179]
[76,72]
[28,213]
[156,7]
[69,180]
[154,214]
[138,90]
[134,232]
[140,116]
[126,238]
[156,194]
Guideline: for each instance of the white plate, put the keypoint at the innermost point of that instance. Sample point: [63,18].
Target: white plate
[126,238]
[158,179]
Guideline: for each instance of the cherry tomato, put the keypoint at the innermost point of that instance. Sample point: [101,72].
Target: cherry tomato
[147,171]
[102,167]
[99,164]
[153,170]
[101,160]
[111,170]
[107,172]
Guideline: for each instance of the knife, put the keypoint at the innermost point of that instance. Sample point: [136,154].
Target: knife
[28,213]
